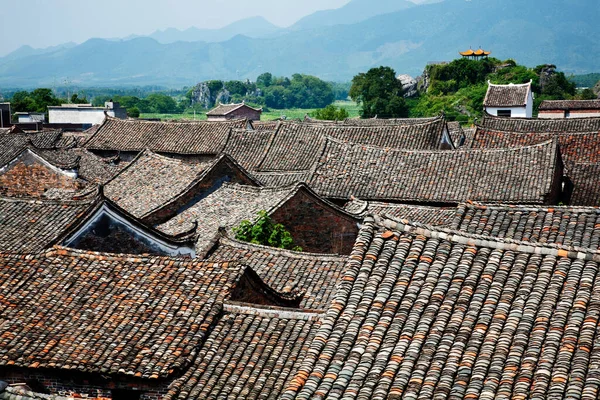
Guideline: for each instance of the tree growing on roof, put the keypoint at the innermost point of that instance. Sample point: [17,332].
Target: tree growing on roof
[264,232]
[379,93]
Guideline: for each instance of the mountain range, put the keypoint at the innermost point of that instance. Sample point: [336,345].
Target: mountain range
[334,44]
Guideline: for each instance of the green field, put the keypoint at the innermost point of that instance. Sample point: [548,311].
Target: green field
[290,113]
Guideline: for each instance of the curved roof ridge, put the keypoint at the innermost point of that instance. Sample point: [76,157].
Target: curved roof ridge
[540,120]
[528,207]
[557,133]
[228,241]
[471,239]
[263,311]
[509,84]
[152,258]
[460,149]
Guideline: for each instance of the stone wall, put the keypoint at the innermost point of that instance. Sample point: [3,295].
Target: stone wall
[316,227]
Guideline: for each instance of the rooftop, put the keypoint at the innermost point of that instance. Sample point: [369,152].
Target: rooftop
[507,95]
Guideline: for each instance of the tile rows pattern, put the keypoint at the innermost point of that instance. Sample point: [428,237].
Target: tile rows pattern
[535,125]
[29,226]
[315,275]
[246,357]
[167,137]
[226,208]
[150,181]
[520,175]
[569,226]
[436,216]
[108,314]
[570,105]
[422,314]
[507,95]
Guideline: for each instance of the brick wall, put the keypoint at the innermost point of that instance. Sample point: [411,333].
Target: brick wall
[316,227]
[32,179]
[92,385]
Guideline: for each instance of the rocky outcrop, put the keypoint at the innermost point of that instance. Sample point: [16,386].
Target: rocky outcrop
[424,81]
[596,89]
[546,73]
[207,98]
[409,85]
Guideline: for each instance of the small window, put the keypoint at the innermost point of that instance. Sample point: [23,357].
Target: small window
[504,113]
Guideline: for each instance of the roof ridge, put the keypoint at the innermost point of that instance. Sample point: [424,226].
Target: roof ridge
[71,252]
[517,207]
[461,237]
[234,307]
[557,133]
[46,201]
[460,149]
[228,241]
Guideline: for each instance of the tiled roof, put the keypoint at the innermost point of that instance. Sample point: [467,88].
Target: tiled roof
[265,125]
[569,226]
[29,226]
[297,145]
[507,95]
[108,314]
[520,175]
[248,356]
[570,105]
[225,109]
[535,125]
[150,181]
[12,144]
[314,275]
[436,216]
[580,151]
[388,121]
[424,313]
[586,183]
[249,147]
[283,178]
[167,137]
[226,207]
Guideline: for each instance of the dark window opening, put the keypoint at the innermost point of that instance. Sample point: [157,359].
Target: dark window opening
[504,113]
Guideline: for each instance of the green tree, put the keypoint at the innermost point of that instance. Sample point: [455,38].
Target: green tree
[264,80]
[379,93]
[331,113]
[264,232]
[76,100]
[161,103]
[236,88]
[133,112]
[275,97]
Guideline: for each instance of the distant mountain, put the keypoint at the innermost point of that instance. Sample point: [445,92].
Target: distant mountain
[254,27]
[351,13]
[533,32]
[26,51]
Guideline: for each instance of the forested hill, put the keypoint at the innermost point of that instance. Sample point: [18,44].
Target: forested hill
[533,32]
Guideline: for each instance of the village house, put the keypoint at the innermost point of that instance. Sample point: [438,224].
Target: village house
[84,113]
[224,112]
[509,100]
[30,117]
[569,108]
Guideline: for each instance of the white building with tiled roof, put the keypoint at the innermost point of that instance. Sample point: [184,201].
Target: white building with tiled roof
[509,100]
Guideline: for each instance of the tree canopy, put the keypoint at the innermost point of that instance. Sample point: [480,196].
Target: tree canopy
[379,93]
[264,232]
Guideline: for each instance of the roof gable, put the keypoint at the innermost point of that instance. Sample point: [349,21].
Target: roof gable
[507,95]
[226,109]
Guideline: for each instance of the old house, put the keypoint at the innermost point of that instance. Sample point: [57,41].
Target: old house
[155,188]
[30,117]
[509,100]
[200,141]
[316,225]
[84,113]
[569,108]
[530,174]
[579,143]
[225,112]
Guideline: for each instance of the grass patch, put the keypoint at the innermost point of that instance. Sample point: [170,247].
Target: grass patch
[290,113]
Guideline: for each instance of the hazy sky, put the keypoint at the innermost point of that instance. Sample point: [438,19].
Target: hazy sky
[43,23]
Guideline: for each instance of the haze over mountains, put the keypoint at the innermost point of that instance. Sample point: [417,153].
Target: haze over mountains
[333,44]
